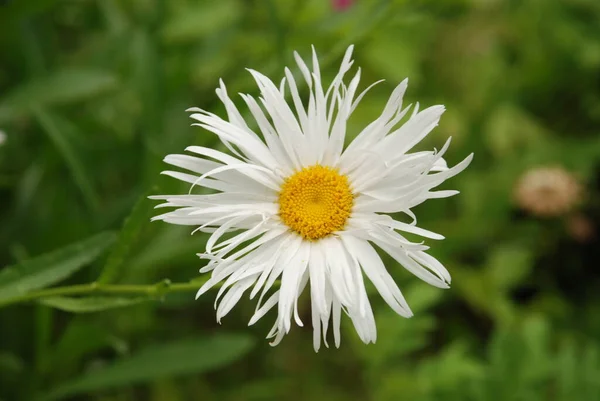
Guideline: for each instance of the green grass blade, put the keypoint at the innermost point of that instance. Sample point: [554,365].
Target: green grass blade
[135,222]
[199,21]
[55,130]
[90,304]
[69,85]
[159,361]
[52,267]
[13,11]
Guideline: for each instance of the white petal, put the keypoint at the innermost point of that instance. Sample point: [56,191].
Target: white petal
[411,133]
[375,131]
[374,269]
[318,281]
[290,282]
[267,306]
[398,225]
[415,268]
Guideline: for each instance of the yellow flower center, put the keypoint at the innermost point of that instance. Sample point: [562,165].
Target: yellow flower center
[315,201]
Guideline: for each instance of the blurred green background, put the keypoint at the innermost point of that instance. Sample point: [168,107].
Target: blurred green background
[92,97]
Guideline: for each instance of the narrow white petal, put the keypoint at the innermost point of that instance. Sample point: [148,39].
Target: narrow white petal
[316,267]
[411,133]
[376,272]
[398,225]
[337,315]
[412,266]
[267,306]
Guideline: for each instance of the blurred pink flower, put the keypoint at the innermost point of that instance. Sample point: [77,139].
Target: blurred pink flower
[341,5]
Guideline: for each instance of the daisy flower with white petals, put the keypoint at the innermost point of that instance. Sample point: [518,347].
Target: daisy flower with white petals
[292,205]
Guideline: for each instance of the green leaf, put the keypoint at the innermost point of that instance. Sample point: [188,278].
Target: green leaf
[451,368]
[535,335]
[56,130]
[510,130]
[159,361]
[473,286]
[79,339]
[10,363]
[14,11]
[422,296]
[394,58]
[168,247]
[65,86]
[90,304]
[139,217]
[193,23]
[52,267]
[509,264]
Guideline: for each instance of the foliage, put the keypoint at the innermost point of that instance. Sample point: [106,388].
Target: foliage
[92,97]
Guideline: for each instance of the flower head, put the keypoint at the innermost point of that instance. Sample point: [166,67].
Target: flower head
[292,204]
[547,191]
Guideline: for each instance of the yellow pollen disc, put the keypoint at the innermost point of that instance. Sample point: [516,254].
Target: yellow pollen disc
[315,201]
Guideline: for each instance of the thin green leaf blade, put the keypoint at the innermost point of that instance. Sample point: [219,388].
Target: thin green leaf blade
[80,339]
[199,21]
[14,11]
[55,129]
[90,304]
[65,86]
[133,225]
[159,361]
[48,269]
[509,264]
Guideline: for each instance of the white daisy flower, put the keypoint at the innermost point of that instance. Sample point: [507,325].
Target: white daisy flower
[302,209]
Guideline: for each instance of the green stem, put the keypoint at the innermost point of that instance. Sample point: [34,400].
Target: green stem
[158,289]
